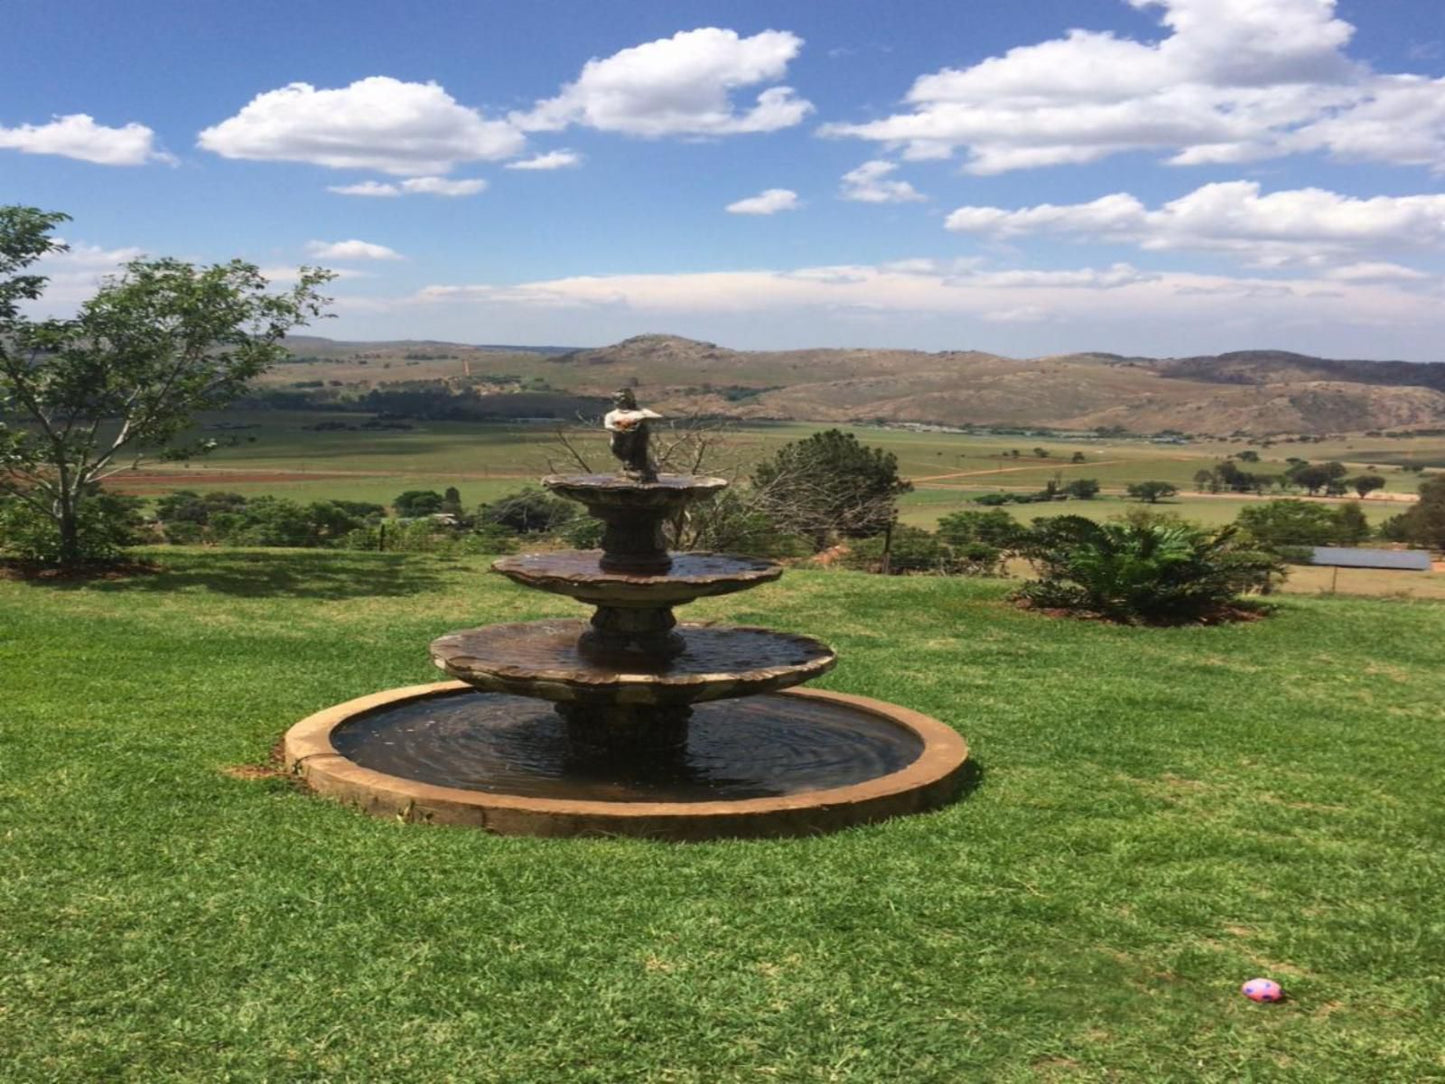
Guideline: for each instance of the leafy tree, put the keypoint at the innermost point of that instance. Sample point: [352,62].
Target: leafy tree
[1151,492]
[1316,476]
[829,485]
[1365,484]
[1293,522]
[1351,526]
[1248,455]
[1424,523]
[1082,489]
[452,501]
[1077,457]
[1041,453]
[1206,480]
[415,503]
[124,376]
[1154,572]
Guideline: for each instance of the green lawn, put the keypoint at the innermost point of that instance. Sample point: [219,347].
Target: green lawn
[1159,815]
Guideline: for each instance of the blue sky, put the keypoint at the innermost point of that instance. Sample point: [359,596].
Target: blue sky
[1138,176]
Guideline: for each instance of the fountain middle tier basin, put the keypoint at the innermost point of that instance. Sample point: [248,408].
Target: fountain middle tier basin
[542,659]
[579,574]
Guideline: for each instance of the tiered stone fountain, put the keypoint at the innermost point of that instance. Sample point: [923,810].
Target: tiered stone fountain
[630,724]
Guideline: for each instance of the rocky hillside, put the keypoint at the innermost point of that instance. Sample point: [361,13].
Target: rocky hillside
[1257,391]
[1250,391]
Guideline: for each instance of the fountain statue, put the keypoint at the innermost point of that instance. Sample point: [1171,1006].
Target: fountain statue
[630,723]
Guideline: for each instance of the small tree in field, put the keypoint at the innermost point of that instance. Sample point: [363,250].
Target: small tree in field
[85,397]
[1152,492]
[1365,484]
[828,485]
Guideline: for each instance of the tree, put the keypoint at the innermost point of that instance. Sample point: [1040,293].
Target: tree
[1315,476]
[1294,522]
[415,503]
[124,376]
[1249,455]
[1351,526]
[1077,457]
[1365,484]
[1151,492]
[1082,489]
[452,501]
[829,485]
[1424,524]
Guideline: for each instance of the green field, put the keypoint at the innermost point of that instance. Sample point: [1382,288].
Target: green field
[1158,815]
[486,460]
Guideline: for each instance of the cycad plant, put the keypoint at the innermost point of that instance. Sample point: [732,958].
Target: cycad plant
[1154,572]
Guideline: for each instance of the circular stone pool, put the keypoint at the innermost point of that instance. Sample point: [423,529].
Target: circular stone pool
[778,764]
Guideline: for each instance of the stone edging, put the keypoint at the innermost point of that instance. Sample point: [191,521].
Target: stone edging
[934,779]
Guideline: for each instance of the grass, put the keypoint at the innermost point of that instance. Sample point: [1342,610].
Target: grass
[1160,815]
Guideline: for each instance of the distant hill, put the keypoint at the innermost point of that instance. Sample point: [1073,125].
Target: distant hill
[1257,391]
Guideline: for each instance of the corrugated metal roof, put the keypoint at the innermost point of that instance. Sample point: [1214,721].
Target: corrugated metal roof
[1349,557]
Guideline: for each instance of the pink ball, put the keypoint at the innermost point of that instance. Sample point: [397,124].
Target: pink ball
[1262,990]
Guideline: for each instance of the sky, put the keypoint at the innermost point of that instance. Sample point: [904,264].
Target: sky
[1158,177]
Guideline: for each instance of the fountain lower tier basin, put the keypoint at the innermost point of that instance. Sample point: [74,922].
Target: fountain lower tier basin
[783,764]
[579,574]
[543,659]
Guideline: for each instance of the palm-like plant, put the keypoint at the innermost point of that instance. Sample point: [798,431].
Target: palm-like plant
[1148,572]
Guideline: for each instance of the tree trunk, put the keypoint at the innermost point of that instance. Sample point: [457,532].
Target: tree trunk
[70,554]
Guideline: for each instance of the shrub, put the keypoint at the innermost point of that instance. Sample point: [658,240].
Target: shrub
[1157,573]
[528,511]
[415,503]
[994,528]
[914,550]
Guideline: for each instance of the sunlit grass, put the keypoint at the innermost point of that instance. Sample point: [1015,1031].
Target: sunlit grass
[1161,814]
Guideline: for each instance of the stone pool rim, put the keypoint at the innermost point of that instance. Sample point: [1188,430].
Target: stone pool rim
[930,781]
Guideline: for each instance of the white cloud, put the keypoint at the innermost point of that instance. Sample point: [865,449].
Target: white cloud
[1120,303]
[405,129]
[1305,225]
[1233,81]
[869,184]
[550,160]
[283,275]
[350,250]
[78,136]
[365,188]
[74,274]
[441,186]
[679,86]
[1375,272]
[768,202]
[412,186]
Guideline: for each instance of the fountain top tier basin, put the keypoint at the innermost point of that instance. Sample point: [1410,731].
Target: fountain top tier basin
[581,574]
[632,511]
[542,659]
[667,491]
